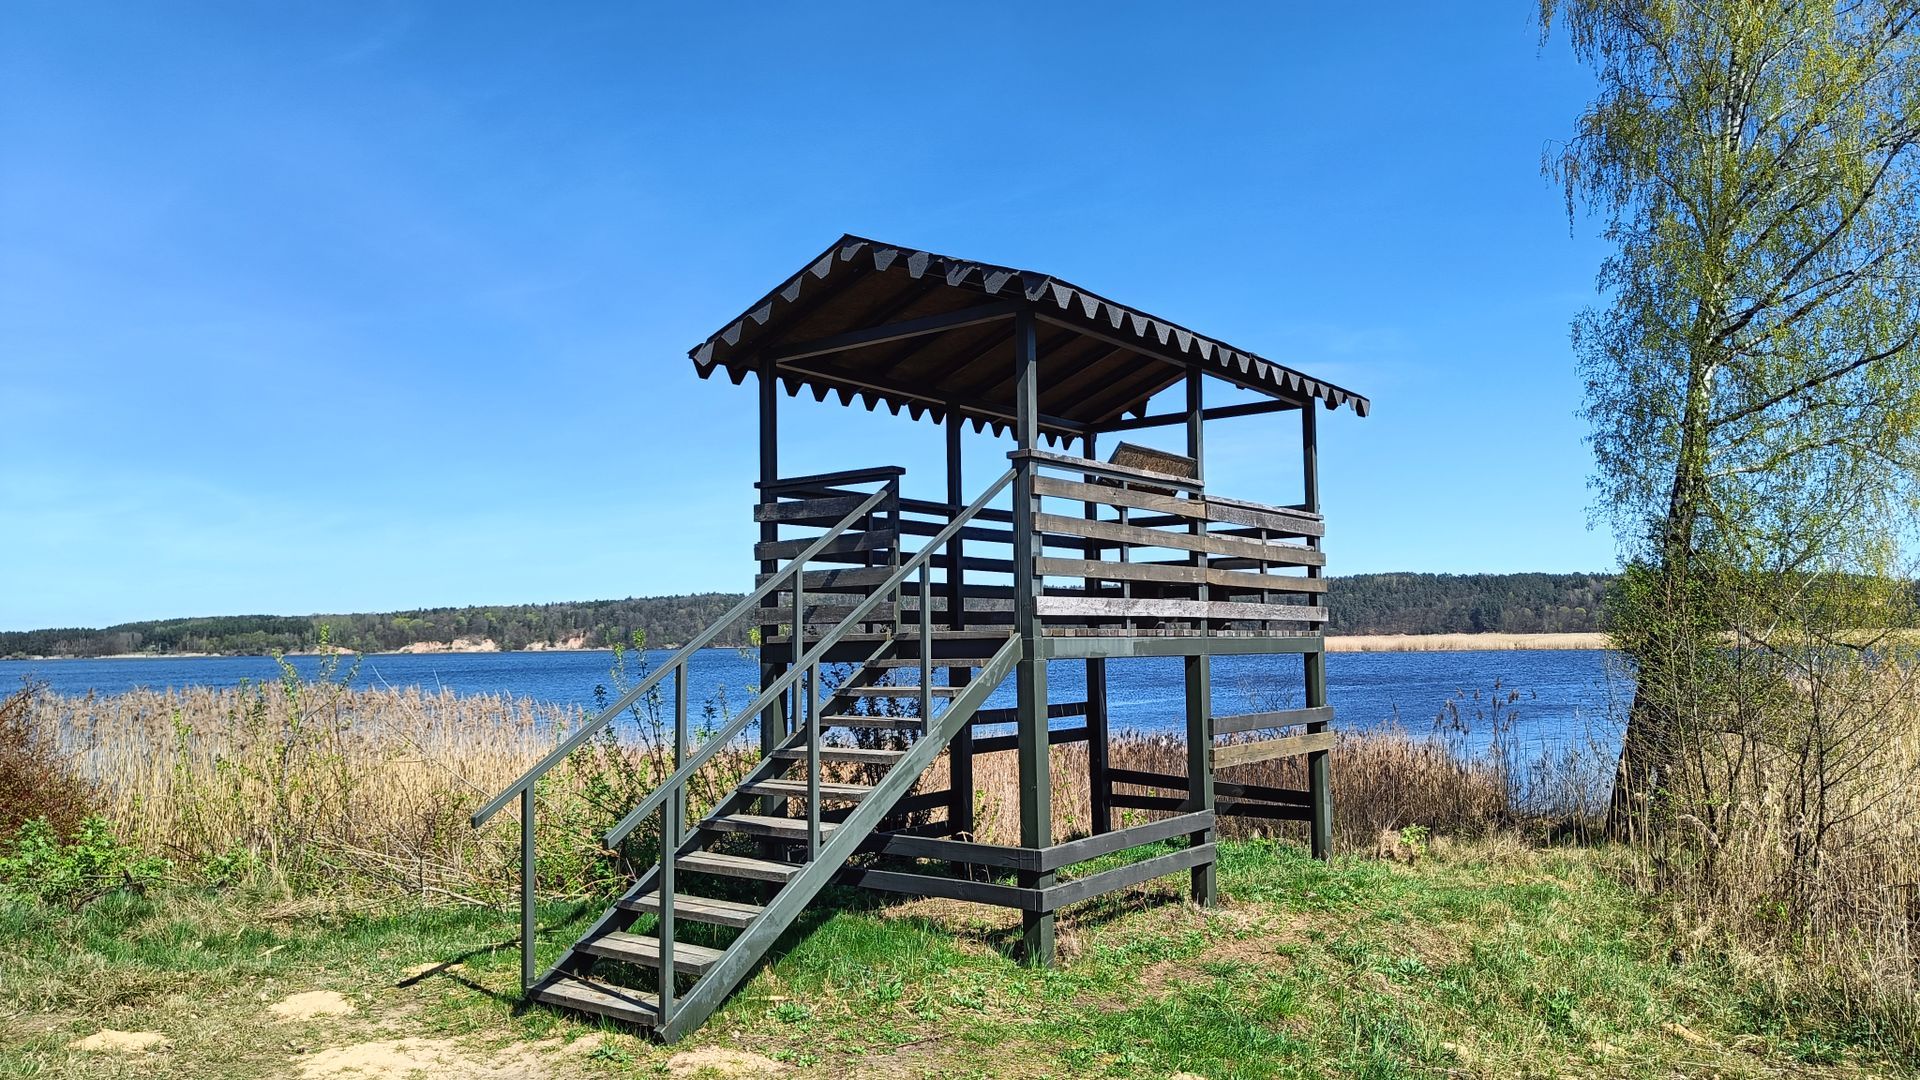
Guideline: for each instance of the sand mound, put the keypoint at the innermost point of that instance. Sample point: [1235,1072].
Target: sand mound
[310,1005]
[715,1062]
[402,1059]
[121,1042]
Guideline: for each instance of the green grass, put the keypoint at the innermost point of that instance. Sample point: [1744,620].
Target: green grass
[1482,961]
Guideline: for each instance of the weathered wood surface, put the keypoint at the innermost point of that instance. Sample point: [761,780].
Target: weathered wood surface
[701,909]
[1278,520]
[825,511]
[1070,463]
[1066,531]
[1225,757]
[846,543]
[1166,573]
[1234,725]
[1121,607]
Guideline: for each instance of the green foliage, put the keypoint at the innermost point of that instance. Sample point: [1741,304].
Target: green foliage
[36,862]
[597,624]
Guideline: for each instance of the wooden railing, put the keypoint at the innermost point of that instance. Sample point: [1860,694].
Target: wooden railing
[1146,553]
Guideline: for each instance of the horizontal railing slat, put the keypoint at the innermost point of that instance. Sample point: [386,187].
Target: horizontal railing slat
[1247,753]
[1072,529]
[1233,725]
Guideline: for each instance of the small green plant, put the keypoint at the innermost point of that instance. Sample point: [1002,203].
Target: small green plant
[36,862]
[1414,838]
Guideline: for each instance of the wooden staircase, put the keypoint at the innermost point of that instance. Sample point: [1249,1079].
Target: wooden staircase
[615,969]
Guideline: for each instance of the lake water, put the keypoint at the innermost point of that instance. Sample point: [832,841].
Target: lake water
[1564,697]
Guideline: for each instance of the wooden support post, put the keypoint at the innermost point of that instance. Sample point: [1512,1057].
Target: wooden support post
[1030,692]
[1319,771]
[1099,784]
[960,749]
[773,719]
[1199,669]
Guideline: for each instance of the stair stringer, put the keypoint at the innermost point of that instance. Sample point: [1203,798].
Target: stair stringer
[617,917]
[712,988]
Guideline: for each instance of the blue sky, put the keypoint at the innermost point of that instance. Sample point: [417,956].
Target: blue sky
[336,307]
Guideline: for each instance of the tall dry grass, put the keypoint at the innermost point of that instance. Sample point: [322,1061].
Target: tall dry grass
[320,786]
[1788,824]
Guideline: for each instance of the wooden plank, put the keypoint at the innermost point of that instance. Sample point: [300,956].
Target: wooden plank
[1233,725]
[1108,495]
[1177,574]
[1120,877]
[797,789]
[1270,811]
[855,754]
[763,825]
[1282,520]
[826,511]
[1225,757]
[1149,802]
[975,892]
[868,336]
[1092,847]
[1055,711]
[845,544]
[1055,736]
[1148,779]
[1137,607]
[600,998]
[860,579]
[1073,528]
[1257,793]
[644,950]
[847,476]
[956,851]
[700,909]
[914,804]
[1101,468]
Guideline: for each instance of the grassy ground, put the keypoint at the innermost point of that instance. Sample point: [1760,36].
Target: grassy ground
[1483,960]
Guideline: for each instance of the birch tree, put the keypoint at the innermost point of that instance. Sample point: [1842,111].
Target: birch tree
[1752,371]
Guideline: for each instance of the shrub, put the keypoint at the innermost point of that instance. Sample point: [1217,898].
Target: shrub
[37,781]
[37,862]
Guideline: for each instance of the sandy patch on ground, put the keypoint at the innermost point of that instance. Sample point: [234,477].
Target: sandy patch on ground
[401,1059]
[312,1004]
[713,1061]
[121,1042]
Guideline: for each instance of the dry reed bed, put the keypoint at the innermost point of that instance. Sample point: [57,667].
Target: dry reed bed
[327,786]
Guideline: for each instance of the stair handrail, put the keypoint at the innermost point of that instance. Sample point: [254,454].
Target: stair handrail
[675,662]
[812,657]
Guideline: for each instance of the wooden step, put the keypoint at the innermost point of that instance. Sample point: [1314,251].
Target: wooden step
[938,662]
[737,866]
[783,828]
[698,909]
[875,723]
[858,755]
[644,949]
[798,789]
[599,998]
[899,691]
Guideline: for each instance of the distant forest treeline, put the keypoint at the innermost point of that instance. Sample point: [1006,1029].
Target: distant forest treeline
[1361,604]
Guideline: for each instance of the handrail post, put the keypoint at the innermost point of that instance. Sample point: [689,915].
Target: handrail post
[526,889]
[681,737]
[926,646]
[669,827]
[813,761]
[797,638]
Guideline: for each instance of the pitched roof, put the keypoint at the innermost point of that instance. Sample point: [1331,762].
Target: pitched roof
[1099,361]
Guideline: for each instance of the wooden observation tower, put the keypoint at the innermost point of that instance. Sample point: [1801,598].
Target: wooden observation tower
[919,609]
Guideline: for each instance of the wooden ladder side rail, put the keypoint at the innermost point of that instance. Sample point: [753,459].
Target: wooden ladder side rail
[746,950]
